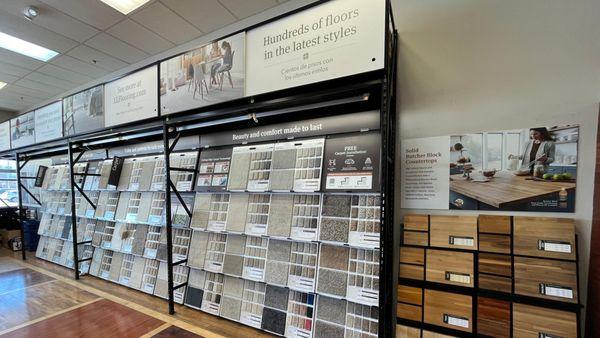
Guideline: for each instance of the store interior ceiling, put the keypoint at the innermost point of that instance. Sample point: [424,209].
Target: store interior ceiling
[95,41]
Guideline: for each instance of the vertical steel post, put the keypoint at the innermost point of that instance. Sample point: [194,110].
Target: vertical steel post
[168,222]
[73,212]
[20,212]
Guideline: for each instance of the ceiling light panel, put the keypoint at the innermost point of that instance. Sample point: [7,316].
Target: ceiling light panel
[2,84]
[125,6]
[26,48]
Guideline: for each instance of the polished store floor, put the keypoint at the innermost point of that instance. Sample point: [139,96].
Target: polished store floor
[41,299]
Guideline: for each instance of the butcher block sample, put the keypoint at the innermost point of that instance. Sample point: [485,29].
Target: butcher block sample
[535,322]
[410,303]
[545,278]
[494,224]
[449,310]
[458,232]
[544,237]
[412,263]
[493,317]
[416,222]
[495,272]
[450,267]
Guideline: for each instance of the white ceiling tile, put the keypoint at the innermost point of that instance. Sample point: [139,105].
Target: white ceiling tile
[42,87]
[11,69]
[12,105]
[8,78]
[246,8]
[117,48]
[138,36]
[64,74]
[52,19]
[50,81]
[92,12]
[206,15]
[166,23]
[104,61]
[67,62]
[22,99]
[19,60]
[16,89]
[26,30]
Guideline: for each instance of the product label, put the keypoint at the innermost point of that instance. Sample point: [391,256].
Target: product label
[150,253]
[461,241]
[124,280]
[304,234]
[213,266]
[363,296]
[554,246]
[90,213]
[301,284]
[109,214]
[131,217]
[216,226]
[365,240]
[545,335]
[154,219]
[210,307]
[458,277]
[456,321]
[127,248]
[257,229]
[556,291]
[251,319]
[253,274]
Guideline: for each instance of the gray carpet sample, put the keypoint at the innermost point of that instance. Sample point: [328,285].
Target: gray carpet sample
[197,251]
[233,265]
[233,287]
[332,282]
[334,229]
[230,308]
[331,309]
[279,250]
[115,266]
[193,297]
[238,172]
[280,215]
[235,244]
[336,205]
[276,273]
[161,252]
[334,257]
[276,297]
[274,321]
[201,211]
[326,330]
[135,281]
[236,216]
[282,172]
[139,239]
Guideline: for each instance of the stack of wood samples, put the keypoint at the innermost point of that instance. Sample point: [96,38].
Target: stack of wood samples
[488,276]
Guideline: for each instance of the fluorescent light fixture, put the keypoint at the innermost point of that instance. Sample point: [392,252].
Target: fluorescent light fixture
[26,48]
[2,84]
[125,6]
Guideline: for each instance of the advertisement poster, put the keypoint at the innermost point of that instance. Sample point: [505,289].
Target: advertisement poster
[5,136]
[424,171]
[22,130]
[332,40]
[352,162]
[213,172]
[529,169]
[207,75]
[131,98]
[84,111]
[48,122]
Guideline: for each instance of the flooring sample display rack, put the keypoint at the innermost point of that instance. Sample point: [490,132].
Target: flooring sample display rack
[519,270]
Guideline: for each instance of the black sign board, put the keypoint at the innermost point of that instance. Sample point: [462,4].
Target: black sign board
[352,162]
[115,171]
[39,177]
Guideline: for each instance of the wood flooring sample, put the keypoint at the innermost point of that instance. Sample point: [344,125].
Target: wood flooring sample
[545,237]
[449,310]
[544,278]
[459,232]
[416,222]
[534,322]
[493,317]
[450,267]
[494,224]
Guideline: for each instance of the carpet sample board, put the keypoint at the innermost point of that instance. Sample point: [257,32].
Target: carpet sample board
[273,321]
[197,252]
[305,217]
[201,211]
[332,282]
[334,230]
[276,297]
[238,208]
[327,330]
[280,215]
[283,164]
[331,309]
[257,219]
[238,173]
[219,207]
[334,257]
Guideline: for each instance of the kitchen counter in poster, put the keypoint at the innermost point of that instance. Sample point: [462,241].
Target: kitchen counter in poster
[506,191]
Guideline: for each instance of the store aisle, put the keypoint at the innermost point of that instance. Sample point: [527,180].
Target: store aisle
[40,299]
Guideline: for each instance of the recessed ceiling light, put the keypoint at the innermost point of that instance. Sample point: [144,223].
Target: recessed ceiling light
[26,48]
[125,6]
[2,84]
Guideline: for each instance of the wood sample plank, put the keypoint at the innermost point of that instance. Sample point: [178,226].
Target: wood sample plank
[412,271]
[412,255]
[449,310]
[532,321]
[410,312]
[458,232]
[495,283]
[545,237]
[494,224]
[493,317]
[494,243]
[545,278]
[450,267]
[403,331]
[415,238]
[495,264]
[429,334]
[416,222]
[410,295]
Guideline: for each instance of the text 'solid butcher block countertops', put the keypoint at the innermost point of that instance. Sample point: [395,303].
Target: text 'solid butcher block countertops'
[544,237]
[458,232]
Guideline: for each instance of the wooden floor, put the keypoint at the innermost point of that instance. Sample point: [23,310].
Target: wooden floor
[41,299]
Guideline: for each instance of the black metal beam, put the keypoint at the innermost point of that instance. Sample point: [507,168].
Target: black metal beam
[84,196]
[180,286]
[180,198]
[20,213]
[30,193]
[73,209]
[169,224]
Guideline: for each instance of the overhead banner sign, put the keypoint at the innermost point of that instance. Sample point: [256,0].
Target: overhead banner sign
[84,111]
[332,40]
[207,75]
[5,136]
[22,130]
[132,98]
[48,122]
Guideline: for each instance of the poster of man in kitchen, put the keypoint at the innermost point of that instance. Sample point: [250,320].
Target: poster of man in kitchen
[530,169]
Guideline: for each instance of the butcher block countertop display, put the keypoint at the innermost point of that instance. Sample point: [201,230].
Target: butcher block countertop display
[506,188]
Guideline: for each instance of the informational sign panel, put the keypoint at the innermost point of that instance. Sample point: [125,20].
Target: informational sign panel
[424,170]
[48,122]
[207,75]
[22,130]
[352,162]
[132,98]
[115,171]
[332,40]
[5,136]
[84,111]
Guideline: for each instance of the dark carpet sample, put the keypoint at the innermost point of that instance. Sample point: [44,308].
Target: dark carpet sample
[273,321]
[276,297]
[336,205]
[334,229]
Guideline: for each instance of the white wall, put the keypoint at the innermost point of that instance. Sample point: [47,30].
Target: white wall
[483,65]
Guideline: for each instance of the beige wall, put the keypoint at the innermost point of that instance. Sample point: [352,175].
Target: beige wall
[479,65]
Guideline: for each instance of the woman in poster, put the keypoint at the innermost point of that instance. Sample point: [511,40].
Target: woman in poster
[539,150]
[215,53]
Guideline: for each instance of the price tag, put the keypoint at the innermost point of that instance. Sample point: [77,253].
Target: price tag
[554,246]
[456,321]
[556,291]
[458,277]
[462,241]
